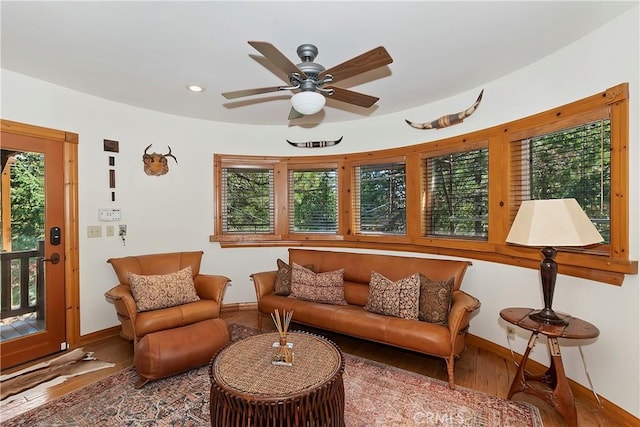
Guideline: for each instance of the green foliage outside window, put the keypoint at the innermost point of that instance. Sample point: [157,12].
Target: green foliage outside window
[248,200]
[382,202]
[27,201]
[457,187]
[314,199]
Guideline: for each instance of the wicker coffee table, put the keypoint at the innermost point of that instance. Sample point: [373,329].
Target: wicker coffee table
[247,390]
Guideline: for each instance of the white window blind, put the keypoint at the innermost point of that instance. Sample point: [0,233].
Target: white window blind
[313,201]
[247,200]
[381,198]
[457,188]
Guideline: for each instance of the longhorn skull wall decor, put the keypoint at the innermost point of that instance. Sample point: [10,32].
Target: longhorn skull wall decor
[315,144]
[156,164]
[450,119]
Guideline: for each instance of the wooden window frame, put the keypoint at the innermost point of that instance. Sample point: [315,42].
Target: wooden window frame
[608,264]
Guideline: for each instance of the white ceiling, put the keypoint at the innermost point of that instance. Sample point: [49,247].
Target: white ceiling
[144,53]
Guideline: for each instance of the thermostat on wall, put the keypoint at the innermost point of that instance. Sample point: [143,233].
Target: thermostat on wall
[109,214]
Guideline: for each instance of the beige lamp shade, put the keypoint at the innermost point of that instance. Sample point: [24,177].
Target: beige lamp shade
[553,222]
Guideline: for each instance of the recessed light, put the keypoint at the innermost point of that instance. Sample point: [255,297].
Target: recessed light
[195,88]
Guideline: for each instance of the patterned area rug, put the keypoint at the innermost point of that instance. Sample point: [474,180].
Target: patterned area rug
[375,395]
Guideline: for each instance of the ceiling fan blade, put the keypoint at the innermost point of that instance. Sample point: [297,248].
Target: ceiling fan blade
[248,92]
[276,57]
[294,114]
[351,97]
[375,58]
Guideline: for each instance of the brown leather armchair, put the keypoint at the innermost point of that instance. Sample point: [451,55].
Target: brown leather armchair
[136,324]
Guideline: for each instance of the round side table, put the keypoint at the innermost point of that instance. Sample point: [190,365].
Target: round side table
[248,390]
[556,391]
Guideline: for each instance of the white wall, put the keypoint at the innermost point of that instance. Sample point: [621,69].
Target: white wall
[174,212]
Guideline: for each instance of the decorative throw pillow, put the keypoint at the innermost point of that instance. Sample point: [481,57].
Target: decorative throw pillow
[435,300]
[398,299]
[161,291]
[283,278]
[326,287]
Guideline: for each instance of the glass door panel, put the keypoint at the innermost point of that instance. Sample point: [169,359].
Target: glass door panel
[32,315]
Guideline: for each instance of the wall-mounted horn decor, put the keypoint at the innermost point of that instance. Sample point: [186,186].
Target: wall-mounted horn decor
[156,164]
[450,119]
[315,144]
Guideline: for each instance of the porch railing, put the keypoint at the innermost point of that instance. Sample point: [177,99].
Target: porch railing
[22,271]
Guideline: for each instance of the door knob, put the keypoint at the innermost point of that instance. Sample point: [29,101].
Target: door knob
[55,258]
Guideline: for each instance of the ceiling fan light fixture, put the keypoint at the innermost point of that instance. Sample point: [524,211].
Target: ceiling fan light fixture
[308,102]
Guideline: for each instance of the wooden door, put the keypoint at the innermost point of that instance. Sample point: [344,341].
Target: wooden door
[33,248]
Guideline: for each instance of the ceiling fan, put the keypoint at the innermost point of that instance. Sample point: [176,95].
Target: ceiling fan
[308,78]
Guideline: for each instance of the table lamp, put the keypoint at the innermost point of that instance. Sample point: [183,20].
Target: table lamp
[551,223]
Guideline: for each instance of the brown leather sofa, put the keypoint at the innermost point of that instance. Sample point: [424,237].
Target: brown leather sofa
[352,319]
[135,325]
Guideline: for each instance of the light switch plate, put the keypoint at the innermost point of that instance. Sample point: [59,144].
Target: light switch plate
[94,231]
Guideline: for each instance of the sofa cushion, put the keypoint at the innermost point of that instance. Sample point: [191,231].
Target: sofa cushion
[325,288]
[398,299]
[356,293]
[283,278]
[435,300]
[179,315]
[157,291]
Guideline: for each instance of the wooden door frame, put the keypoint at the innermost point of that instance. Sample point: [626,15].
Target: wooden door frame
[71,232]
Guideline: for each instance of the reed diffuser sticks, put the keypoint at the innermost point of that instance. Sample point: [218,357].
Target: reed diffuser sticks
[283,356]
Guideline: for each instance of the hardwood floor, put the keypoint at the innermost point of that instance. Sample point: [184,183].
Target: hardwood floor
[478,369]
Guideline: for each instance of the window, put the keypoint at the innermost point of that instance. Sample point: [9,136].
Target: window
[572,162]
[457,193]
[247,197]
[381,199]
[456,196]
[313,201]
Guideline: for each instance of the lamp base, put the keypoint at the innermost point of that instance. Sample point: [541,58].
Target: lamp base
[546,315]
